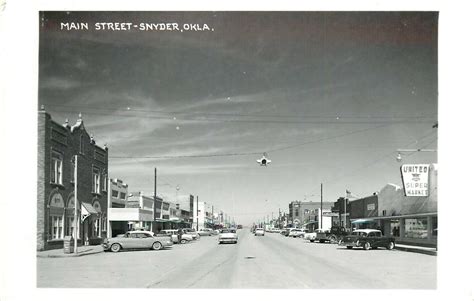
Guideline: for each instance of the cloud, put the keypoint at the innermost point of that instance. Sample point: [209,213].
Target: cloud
[59,83]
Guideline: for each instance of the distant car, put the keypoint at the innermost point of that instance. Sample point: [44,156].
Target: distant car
[259,232]
[137,240]
[191,232]
[367,238]
[174,236]
[297,233]
[311,236]
[227,236]
[205,232]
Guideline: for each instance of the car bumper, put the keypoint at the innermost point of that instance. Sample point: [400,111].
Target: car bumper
[106,246]
[227,240]
[167,243]
[349,244]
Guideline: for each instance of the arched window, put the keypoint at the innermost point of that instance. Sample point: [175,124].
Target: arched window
[98,221]
[56,217]
[69,219]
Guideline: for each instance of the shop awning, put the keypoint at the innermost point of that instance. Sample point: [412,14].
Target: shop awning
[87,210]
[361,221]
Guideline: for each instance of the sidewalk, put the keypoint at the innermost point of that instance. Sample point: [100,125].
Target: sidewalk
[417,249]
[81,251]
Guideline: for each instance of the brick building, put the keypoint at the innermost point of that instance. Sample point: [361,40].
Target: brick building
[57,146]
[308,214]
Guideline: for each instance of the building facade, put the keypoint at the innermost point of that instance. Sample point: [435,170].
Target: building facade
[58,144]
[118,199]
[308,215]
[410,219]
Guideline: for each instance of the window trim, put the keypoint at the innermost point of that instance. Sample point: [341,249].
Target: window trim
[95,182]
[60,159]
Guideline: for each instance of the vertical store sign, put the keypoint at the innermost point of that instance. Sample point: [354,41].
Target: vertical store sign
[415,179]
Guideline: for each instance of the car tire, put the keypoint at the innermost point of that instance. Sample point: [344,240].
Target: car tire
[311,240]
[390,245]
[115,248]
[321,241]
[349,247]
[157,246]
[333,239]
[366,245]
[183,241]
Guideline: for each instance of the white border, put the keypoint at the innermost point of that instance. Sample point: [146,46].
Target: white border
[18,113]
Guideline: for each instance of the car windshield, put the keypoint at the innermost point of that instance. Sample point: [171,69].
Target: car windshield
[361,234]
[225,231]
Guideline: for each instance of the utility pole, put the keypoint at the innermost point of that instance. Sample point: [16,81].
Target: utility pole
[321,214]
[75,204]
[212,210]
[154,203]
[197,213]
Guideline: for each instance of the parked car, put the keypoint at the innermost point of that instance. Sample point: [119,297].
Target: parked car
[259,232]
[228,236]
[205,232]
[311,236]
[191,232]
[367,238]
[333,236]
[137,240]
[174,236]
[297,233]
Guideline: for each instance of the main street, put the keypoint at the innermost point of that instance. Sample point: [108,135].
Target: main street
[271,261]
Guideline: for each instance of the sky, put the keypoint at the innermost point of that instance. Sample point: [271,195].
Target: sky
[328,96]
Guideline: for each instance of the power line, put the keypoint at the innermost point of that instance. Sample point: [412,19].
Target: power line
[336,120]
[430,133]
[252,153]
[249,115]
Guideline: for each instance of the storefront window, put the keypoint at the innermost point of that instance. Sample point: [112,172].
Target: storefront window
[434,231]
[395,227]
[70,226]
[97,227]
[56,227]
[416,227]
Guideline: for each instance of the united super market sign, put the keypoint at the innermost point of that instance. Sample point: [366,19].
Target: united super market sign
[415,179]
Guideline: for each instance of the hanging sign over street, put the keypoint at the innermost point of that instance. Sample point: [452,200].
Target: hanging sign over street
[415,179]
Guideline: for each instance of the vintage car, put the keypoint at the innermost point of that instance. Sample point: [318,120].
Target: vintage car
[227,236]
[191,232]
[205,232]
[334,235]
[297,233]
[259,232]
[367,238]
[174,236]
[311,236]
[137,240]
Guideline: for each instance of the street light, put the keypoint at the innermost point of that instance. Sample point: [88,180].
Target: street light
[400,151]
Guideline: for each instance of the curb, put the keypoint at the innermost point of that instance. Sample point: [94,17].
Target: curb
[415,250]
[84,253]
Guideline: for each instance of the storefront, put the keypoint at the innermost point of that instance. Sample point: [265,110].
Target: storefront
[410,219]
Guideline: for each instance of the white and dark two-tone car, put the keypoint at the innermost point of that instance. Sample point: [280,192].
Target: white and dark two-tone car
[259,232]
[137,240]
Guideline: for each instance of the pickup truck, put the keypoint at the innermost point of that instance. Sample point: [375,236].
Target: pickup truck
[332,236]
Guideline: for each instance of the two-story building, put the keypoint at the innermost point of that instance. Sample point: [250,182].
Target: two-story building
[58,146]
[308,214]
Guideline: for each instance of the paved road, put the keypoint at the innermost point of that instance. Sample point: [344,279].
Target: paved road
[272,261]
